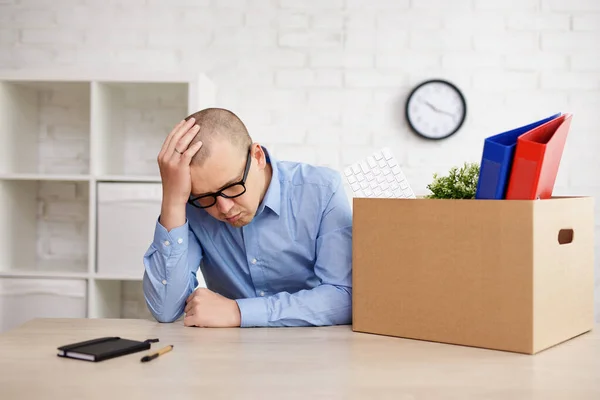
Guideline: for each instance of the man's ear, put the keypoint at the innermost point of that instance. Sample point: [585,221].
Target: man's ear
[259,155]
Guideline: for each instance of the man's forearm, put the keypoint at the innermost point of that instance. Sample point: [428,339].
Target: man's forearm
[172,215]
[323,305]
[168,277]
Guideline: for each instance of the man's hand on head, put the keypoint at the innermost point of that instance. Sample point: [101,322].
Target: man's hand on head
[207,309]
[174,164]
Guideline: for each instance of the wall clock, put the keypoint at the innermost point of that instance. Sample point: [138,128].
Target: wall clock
[435,109]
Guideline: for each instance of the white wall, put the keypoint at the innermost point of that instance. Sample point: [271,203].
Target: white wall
[325,81]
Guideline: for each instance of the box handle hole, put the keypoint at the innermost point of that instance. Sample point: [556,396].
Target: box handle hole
[565,236]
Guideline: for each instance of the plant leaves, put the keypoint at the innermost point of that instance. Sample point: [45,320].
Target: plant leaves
[460,183]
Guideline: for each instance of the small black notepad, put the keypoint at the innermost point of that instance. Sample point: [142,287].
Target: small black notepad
[103,348]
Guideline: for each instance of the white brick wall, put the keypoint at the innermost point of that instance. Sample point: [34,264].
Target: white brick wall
[62,231]
[64,125]
[325,81]
[149,112]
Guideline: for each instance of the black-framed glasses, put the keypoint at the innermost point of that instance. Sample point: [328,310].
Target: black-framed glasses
[229,192]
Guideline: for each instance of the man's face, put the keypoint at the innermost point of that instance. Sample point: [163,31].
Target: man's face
[226,166]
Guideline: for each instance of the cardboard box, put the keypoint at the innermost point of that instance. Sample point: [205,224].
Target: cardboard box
[514,275]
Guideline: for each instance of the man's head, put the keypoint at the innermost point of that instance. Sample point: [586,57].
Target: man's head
[221,162]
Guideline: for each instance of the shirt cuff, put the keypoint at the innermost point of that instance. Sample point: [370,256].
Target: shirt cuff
[253,312]
[170,242]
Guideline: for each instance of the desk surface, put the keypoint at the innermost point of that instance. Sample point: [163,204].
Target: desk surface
[285,363]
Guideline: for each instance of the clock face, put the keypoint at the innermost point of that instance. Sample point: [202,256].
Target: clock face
[436,109]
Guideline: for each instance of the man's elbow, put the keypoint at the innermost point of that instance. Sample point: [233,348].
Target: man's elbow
[164,316]
[342,310]
[344,316]
[158,302]
[165,320]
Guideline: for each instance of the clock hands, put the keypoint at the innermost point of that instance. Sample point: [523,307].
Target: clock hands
[434,108]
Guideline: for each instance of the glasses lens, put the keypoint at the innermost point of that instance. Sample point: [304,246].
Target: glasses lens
[234,190]
[206,201]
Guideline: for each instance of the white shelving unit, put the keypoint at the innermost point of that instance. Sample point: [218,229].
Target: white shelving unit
[61,135]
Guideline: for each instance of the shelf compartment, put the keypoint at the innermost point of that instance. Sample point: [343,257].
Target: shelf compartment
[127,215]
[44,227]
[130,123]
[133,303]
[105,299]
[45,127]
[118,299]
[22,300]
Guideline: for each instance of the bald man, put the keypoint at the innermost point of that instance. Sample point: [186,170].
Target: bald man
[273,239]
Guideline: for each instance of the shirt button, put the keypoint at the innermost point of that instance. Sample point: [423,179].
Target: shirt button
[180,240]
[254,261]
[262,293]
[167,243]
[164,282]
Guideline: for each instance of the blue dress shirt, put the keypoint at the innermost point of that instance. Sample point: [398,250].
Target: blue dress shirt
[290,266]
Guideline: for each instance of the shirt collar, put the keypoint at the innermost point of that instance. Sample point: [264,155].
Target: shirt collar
[272,198]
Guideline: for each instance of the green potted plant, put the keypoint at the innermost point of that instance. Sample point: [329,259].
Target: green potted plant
[460,183]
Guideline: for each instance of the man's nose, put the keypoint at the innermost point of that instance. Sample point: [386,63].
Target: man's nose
[224,205]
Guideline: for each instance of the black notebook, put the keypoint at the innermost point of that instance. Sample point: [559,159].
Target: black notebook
[103,348]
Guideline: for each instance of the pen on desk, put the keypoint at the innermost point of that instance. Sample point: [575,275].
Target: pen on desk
[158,353]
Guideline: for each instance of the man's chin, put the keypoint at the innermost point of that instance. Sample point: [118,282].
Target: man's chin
[239,223]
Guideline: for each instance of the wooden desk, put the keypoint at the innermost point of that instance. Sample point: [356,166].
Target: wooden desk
[285,363]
